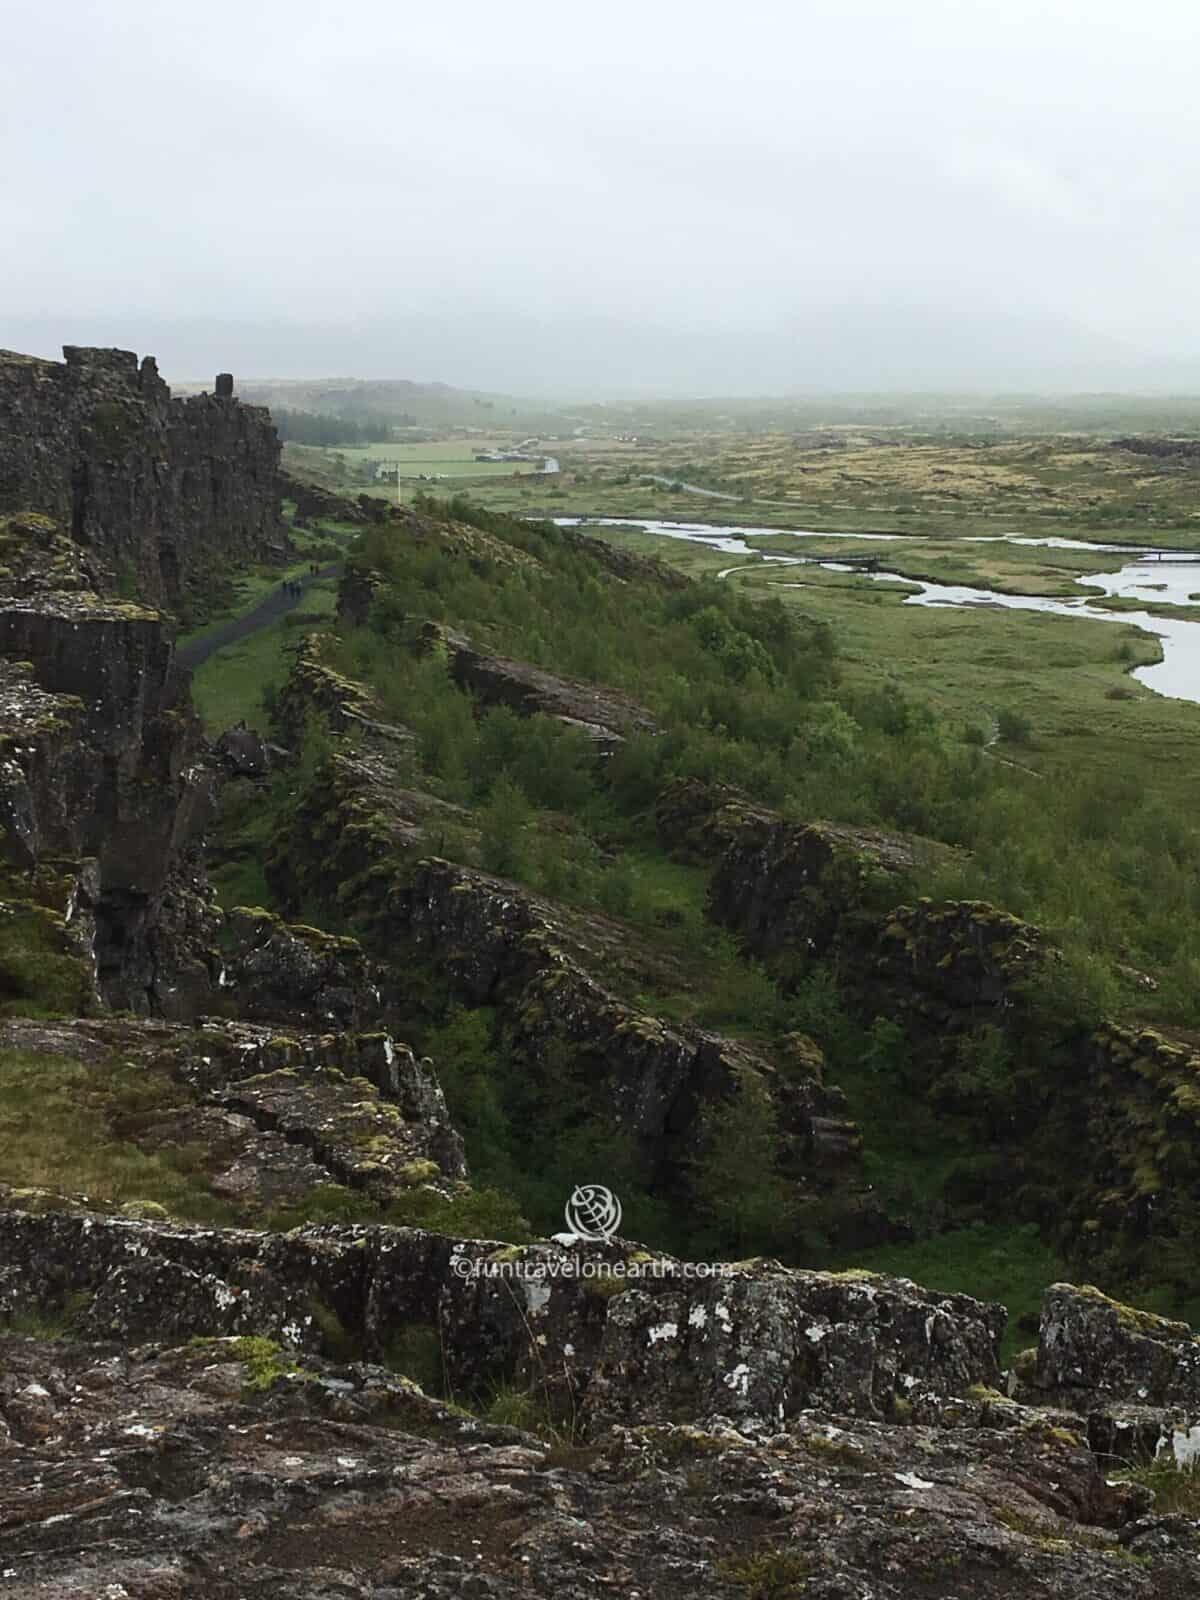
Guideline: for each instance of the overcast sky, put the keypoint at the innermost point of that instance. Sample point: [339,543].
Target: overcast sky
[630,195]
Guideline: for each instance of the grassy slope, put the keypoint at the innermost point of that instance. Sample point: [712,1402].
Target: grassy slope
[230,686]
[64,1125]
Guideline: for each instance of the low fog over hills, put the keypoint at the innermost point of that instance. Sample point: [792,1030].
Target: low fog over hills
[846,194]
[834,347]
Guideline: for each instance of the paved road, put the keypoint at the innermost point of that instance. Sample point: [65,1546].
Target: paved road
[272,606]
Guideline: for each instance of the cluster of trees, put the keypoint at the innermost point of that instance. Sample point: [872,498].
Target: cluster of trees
[748,693]
[317,428]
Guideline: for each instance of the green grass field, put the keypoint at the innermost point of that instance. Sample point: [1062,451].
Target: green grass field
[1059,673]
[445,458]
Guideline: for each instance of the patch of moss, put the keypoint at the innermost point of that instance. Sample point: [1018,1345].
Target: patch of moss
[336,1342]
[41,974]
[264,1361]
[1136,1321]
[777,1575]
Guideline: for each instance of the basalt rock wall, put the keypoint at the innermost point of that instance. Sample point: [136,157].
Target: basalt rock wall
[358,841]
[761,1341]
[1089,1127]
[102,795]
[164,490]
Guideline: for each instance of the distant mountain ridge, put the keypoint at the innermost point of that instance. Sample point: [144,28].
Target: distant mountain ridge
[403,401]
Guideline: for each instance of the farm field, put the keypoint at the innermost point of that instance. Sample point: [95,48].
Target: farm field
[442,458]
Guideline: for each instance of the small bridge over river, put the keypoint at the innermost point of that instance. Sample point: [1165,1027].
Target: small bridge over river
[853,563]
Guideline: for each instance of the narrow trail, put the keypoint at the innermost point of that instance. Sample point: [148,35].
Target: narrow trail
[268,610]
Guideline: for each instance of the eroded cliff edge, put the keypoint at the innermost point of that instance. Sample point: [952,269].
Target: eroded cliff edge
[166,491]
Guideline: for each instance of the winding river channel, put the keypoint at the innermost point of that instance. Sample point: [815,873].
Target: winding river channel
[1144,577]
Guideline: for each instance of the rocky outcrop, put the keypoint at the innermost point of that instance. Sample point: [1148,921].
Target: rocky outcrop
[617,1332]
[314,504]
[252,1122]
[166,492]
[271,970]
[626,564]
[948,968]
[605,716]
[315,689]
[809,1433]
[1092,1349]
[784,887]
[1129,1100]
[101,782]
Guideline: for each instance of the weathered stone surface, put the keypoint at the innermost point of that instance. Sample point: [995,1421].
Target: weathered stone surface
[956,964]
[767,1342]
[647,1341]
[100,765]
[313,503]
[163,490]
[37,556]
[314,688]
[213,1472]
[792,887]
[273,970]
[243,753]
[816,1434]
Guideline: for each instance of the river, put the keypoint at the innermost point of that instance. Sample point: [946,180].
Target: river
[1177,675]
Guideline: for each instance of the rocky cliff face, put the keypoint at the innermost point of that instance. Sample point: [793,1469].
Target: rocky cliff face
[108,487]
[165,491]
[101,780]
[604,715]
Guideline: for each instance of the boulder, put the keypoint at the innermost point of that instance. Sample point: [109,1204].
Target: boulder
[1092,1346]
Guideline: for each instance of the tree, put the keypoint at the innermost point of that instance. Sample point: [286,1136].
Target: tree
[502,842]
[736,1183]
